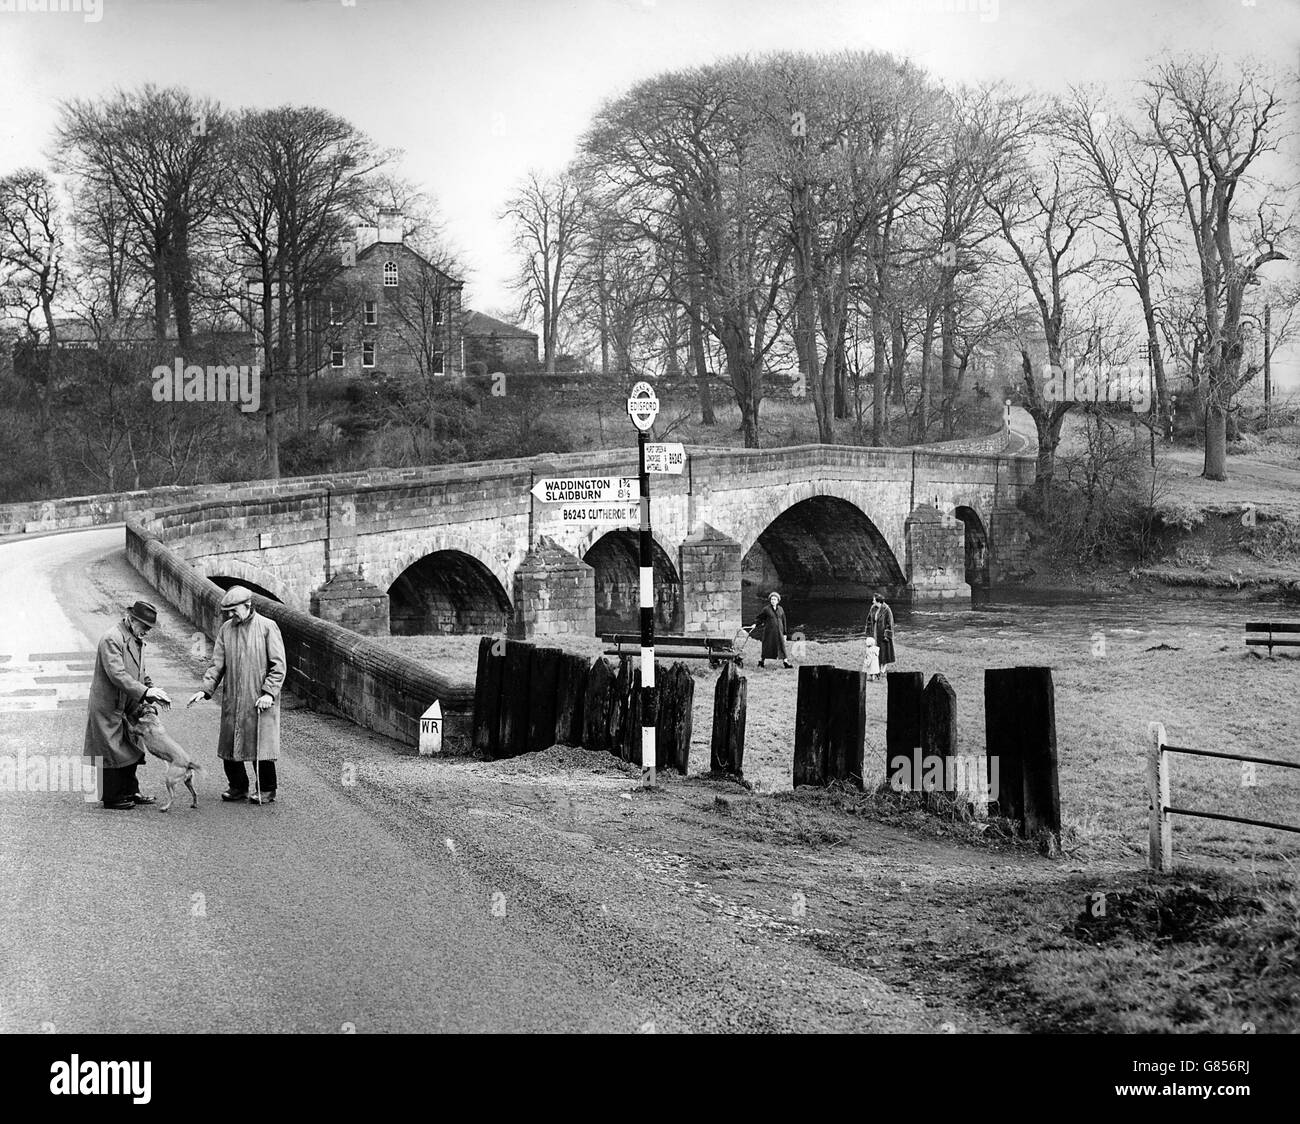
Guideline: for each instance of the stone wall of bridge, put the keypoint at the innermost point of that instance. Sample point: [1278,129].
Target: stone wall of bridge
[835,516]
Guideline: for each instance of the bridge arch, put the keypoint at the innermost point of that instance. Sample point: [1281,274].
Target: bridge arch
[234,572]
[615,556]
[823,546]
[977,546]
[447,591]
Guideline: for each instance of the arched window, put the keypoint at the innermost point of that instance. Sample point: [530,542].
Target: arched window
[390,275]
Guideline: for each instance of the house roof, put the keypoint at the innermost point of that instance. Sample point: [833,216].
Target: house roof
[393,246]
[476,324]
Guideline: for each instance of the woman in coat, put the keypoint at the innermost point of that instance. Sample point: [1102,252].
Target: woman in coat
[248,666]
[880,625]
[118,687]
[772,621]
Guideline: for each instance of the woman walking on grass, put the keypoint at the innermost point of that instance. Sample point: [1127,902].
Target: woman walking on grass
[772,621]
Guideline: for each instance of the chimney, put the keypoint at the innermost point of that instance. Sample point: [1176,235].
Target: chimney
[390,226]
[366,236]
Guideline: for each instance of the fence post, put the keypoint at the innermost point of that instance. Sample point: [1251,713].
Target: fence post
[1162,842]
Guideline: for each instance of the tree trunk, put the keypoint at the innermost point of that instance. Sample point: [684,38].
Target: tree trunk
[269,381]
[181,282]
[923,406]
[701,368]
[947,333]
[160,303]
[879,417]
[1216,440]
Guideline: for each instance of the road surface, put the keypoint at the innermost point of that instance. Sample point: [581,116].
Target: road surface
[382,892]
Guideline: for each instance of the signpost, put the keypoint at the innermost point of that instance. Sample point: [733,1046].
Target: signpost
[642,408]
[586,489]
[665,458]
[611,514]
[431,730]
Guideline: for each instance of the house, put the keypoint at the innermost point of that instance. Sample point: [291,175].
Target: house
[391,310]
[497,344]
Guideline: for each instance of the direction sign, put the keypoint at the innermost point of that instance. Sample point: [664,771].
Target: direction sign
[665,457]
[643,406]
[586,489]
[611,514]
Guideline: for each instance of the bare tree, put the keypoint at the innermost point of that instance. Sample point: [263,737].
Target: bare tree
[31,282]
[1211,129]
[547,218]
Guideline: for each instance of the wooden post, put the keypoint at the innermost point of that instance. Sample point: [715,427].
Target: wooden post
[1042,795]
[515,671]
[1002,740]
[939,725]
[718,741]
[629,735]
[727,746]
[618,707]
[543,678]
[676,689]
[596,703]
[810,716]
[846,725]
[569,692]
[904,692]
[1162,840]
[735,748]
[487,698]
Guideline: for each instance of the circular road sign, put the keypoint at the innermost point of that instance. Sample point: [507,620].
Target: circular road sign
[643,406]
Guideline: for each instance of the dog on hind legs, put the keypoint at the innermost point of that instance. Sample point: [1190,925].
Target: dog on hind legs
[155,739]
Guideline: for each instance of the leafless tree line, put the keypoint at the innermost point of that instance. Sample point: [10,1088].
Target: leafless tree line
[852,212]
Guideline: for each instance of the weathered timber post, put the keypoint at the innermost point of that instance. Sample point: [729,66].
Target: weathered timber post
[1002,740]
[727,745]
[939,726]
[596,702]
[543,677]
[515,675]
[487,696]
[810,746]
[846,725]
[618,708]
[1038,755]
[673,734]
[1161,844]
[570,688]
[904,692]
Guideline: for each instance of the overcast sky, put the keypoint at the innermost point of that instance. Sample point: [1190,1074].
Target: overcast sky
[476,92]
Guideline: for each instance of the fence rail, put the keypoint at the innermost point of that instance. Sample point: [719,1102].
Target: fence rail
[1161,837]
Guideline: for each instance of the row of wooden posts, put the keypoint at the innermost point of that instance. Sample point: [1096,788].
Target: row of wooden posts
[921,723]
[528,698]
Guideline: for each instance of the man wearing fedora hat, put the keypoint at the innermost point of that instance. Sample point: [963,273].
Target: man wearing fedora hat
[248,666]
[119,686]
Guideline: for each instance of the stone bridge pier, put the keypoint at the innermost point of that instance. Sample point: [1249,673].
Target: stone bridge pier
[466,548]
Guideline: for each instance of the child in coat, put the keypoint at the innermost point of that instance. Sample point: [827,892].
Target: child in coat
[871,661]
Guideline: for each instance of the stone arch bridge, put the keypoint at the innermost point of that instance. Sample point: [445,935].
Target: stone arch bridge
[466,548]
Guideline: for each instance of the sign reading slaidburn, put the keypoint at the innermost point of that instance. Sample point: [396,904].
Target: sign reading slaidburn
[586,489]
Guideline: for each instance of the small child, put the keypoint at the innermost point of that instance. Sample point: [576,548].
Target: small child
[871,661]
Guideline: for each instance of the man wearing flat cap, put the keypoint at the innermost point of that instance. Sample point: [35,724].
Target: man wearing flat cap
[119,686]
[248,665]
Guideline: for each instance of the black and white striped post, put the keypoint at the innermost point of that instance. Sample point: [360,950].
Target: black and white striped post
[642,407]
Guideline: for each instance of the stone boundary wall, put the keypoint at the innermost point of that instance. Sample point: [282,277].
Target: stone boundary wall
[334,669]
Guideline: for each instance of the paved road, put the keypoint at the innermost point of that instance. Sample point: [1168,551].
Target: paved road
[383,891]
[303,916]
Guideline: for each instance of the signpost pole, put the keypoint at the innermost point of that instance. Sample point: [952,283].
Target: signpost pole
[648,715]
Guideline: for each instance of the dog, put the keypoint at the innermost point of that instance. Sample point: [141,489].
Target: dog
[155,739]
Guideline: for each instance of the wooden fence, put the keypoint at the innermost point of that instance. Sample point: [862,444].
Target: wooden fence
[1162,836]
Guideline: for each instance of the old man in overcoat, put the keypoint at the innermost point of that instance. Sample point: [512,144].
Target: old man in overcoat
[248,666]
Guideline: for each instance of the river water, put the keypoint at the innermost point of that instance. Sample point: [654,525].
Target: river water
[1027,612]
